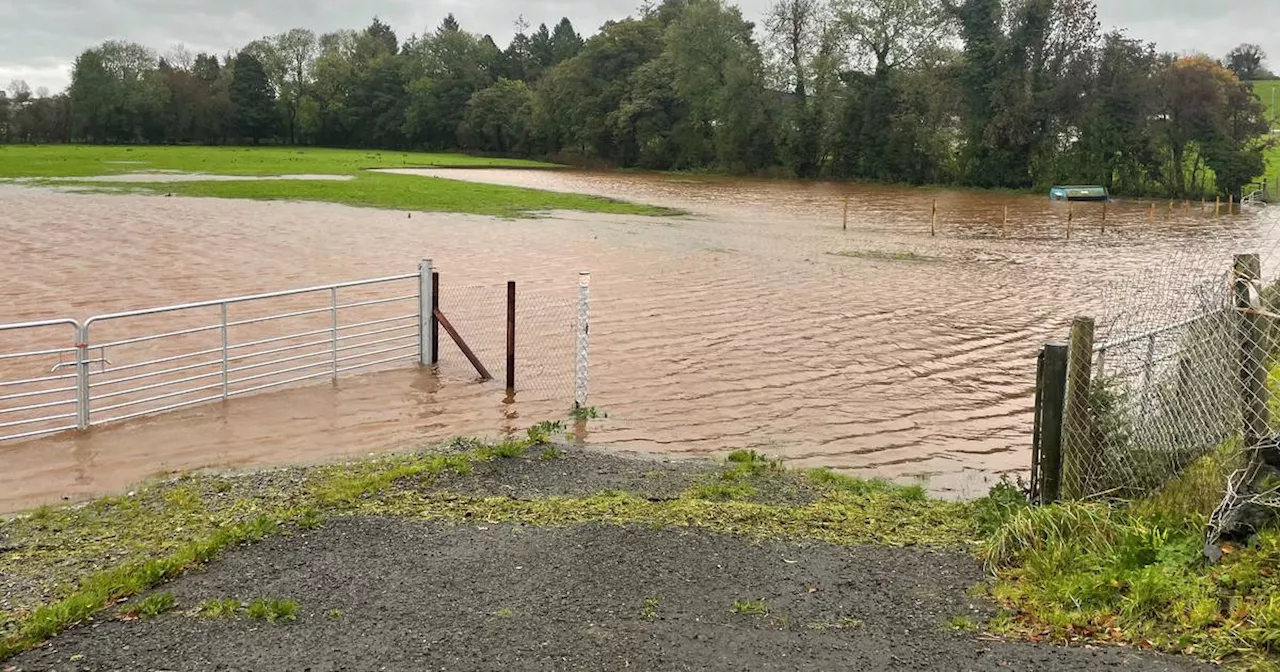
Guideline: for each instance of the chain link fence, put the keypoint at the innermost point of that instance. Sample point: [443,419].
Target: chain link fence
[1179,382]
[546,335]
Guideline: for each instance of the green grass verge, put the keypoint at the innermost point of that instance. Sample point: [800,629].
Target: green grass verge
[365,189]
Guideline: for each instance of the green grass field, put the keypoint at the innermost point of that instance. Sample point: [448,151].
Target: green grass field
[367,189]
[1269,92]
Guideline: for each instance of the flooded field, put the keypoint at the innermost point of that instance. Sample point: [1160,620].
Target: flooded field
[756,322]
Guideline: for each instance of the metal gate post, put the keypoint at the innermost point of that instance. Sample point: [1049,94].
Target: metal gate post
[584,313]
[426,313]
[82,377]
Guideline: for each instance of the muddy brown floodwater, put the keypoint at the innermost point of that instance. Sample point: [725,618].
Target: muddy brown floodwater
[755,322]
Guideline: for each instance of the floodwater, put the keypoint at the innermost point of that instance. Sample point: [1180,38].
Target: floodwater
[898,347]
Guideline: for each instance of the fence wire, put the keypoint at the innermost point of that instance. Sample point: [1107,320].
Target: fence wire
[545,337]
[1179,377]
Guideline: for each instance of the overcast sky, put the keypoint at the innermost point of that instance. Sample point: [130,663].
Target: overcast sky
[40,38]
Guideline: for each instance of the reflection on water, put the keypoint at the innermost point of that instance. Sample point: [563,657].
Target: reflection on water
[756,322]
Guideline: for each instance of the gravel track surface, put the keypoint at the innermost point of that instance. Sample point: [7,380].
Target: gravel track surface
[385,594]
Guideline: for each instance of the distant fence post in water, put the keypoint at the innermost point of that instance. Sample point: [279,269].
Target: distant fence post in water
[845,225]
[426,315]
[933,224]
[584,329]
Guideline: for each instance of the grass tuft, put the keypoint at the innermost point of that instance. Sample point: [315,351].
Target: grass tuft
[224,608]
[750,607]
[149,607]
[273,610]
[649,610]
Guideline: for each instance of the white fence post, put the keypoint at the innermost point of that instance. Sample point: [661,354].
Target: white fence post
[426,299]
[82,377]
[583,360]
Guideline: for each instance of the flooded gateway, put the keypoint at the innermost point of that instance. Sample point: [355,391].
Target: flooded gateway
[755,322]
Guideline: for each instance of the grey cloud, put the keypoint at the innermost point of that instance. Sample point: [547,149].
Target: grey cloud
[40,38]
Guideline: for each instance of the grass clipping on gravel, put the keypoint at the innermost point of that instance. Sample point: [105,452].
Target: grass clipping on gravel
[61,566]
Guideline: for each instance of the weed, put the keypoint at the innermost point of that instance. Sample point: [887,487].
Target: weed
[333,614]
[745,463]
[1004,500]
[273,610]
[784,620]
[649,611]
[721,492]
[506,450]
[311,519]
[224,608]
[550,453]
[750,607]
[150,606]
[543,432]
[852,485]
[504,613]
[962,622]
[585,413]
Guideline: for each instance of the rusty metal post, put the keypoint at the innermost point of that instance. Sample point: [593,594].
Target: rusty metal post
[511,336]
[435,323]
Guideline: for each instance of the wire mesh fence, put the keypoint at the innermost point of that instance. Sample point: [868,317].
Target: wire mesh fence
[1145,404]
[545,332]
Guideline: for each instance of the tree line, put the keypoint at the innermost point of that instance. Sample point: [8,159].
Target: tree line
[988,93]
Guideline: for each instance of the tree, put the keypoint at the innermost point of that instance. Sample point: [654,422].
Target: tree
[498,118]
[797,37]
[297,51]
[565,42]
[252,100]
[444,70]
[719,77]
[892,33]
[1246,61]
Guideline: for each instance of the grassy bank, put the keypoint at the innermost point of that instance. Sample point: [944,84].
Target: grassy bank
[1071,573]
[365,189]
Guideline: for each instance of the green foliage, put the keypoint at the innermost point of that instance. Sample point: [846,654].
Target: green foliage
[1134,575]
[273,610]
[649,610]
[750,607]
[223,608]
[252,100]
[150,607]
[722,492]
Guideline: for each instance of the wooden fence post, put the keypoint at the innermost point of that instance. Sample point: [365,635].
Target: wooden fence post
[933,225]
[845,225]
[1051,395]
[1077,444]
[1253,353]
